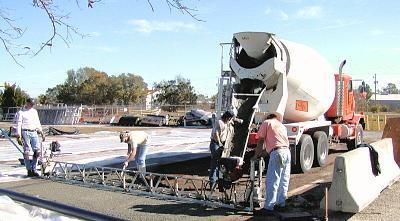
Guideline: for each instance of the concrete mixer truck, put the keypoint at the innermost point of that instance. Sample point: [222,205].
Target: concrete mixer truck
[270,75]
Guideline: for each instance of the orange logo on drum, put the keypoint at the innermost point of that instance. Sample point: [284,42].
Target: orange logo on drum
[302,105]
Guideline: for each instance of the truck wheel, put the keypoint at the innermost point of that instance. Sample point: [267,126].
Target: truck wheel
[321,143]
[352,144]
[305,153]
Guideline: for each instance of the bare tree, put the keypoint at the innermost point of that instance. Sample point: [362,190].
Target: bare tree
[177,4]
[10,31]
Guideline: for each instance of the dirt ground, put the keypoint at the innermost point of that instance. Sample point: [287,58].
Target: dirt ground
[300,200]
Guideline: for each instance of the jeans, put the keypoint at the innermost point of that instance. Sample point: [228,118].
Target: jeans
[140,157]
[214,162]
[31,141]
[277,179]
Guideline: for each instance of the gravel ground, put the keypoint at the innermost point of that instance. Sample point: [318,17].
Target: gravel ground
[117,204]
[386,207]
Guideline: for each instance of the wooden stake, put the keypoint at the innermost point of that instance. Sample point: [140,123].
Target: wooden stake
[326,204]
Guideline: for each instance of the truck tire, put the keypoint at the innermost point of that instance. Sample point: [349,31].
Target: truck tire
[305,153]
[322,148]
[352,144]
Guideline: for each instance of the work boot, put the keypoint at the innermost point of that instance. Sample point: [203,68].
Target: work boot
[30,174]
[213,185]
[35,174]
[141,169]
[263,212]
[280,208]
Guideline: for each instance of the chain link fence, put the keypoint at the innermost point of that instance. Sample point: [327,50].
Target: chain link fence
[106,114]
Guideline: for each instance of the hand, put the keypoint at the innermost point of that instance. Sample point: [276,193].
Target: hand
[125,165]
[257,154]
[19,140]
[221,145]
[254,157]
[41,134]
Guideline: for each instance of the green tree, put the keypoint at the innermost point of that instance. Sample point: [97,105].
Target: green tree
[90,86]
[95,88]
[390,89]
[175,92]
[12,96]
[113,95]
[51,95]
[131,88]
[361,101]
[367,89]
[68,92]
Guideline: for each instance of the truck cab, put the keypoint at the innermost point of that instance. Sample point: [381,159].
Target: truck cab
[347,125]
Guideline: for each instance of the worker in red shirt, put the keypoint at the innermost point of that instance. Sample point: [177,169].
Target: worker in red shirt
[273,139]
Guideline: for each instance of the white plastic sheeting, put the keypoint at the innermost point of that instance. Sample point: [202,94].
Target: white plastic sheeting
[104,148]
[12,210]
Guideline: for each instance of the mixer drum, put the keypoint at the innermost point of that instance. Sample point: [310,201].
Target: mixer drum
[262,57]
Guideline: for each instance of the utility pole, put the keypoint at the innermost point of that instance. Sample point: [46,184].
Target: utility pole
[375,82]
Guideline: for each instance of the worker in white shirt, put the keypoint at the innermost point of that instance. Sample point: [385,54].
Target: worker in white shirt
[219,135]
[28,127]
[137,148]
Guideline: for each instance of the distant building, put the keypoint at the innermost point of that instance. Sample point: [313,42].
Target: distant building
[150,98]
[390,100]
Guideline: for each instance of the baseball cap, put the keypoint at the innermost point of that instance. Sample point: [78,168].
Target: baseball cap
[30,101]
[228,114]
[122,135]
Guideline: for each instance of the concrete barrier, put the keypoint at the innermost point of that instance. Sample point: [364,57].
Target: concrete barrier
[354,186]
[392,130]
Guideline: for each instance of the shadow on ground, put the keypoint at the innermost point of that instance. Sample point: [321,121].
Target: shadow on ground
[189,209]
[310,201]
[333,151]
[198,167]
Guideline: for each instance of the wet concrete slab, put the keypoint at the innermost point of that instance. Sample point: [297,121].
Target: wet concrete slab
[103,148]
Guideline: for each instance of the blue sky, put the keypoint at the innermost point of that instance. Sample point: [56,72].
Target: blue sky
[127,37]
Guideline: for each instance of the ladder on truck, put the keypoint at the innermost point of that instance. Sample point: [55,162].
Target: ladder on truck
[238,134]
[235,149]
[235,146]
[225,89]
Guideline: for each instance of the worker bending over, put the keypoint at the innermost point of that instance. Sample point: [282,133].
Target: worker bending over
[273,139]
[137,148]
[219,135]
[28,127]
